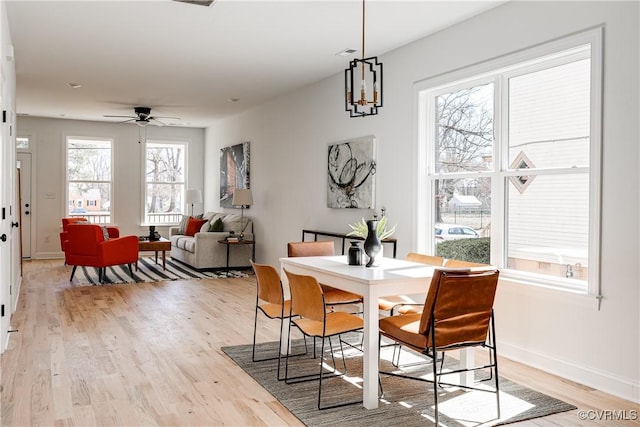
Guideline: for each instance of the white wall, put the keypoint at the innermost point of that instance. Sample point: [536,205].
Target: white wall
[48,139]
[556,331]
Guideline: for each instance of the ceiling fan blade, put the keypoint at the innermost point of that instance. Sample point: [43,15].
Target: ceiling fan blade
[165,117]
[157,122]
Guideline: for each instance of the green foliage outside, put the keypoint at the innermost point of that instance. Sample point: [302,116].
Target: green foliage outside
[472,250]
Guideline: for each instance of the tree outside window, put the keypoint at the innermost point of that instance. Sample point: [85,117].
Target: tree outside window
[165,182]
[89,178]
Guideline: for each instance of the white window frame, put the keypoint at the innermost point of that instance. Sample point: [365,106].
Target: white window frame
[111,168]
[483,73]
[185,146]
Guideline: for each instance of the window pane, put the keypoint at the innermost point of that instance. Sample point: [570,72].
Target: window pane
[463,211]
[88,160]
[165,188]
[91,200]
[464,131]
[22,143]
[165,163]
[549,117]
[164,203]
[548,226]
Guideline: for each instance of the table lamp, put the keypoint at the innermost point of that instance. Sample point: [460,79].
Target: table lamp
[242,197]
[193,196]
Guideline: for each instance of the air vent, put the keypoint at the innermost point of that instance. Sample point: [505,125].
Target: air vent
[205,3]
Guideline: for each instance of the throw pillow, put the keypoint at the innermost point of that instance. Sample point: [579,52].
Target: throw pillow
[183,224]
[105,233]
[217,225]
[193,226]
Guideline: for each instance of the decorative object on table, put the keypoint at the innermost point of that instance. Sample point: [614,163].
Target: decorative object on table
[242,197]
[350,173]
[153,234]
[355,254]
[372,244]
[192,197]
[369,74]
[360,228]
[234,171]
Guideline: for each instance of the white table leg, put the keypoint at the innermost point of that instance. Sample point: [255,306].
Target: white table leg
[467,362]
[370,366]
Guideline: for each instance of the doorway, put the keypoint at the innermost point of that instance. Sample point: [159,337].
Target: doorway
[24,171]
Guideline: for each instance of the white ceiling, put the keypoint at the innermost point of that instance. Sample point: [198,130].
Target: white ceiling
[186,60]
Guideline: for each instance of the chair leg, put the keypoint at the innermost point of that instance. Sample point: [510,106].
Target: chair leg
[495,361]
[73,271]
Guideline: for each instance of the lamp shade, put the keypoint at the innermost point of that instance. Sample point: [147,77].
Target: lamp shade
[242,197]
[194,196]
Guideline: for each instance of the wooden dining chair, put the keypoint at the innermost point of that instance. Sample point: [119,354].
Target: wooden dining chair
[313,320]
[270,301]
[332,296]
[458,314]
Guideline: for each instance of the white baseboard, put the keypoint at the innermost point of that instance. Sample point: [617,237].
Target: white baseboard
[621,387]
[48,255]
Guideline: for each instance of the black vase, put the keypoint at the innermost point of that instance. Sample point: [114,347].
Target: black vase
[355,254]
[372,245]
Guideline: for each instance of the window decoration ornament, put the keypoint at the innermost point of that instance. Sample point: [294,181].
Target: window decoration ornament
[521,182]
[364,74]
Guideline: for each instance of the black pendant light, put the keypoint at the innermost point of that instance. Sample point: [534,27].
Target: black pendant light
[365,76]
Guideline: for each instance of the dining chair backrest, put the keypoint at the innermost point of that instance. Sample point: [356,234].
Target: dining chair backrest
[307,300]
[456,263]
[425,259]
[268,282]
[316,248]
[459,305]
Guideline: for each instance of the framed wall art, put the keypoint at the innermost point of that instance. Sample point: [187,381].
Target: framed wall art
[234,171]
[351,174]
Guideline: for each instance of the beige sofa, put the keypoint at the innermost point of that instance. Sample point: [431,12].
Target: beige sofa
[203,250]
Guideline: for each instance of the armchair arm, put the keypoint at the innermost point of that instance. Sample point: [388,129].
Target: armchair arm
[123,250]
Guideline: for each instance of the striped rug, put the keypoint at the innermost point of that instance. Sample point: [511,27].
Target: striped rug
[149,271]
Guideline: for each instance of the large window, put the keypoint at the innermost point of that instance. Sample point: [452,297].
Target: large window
[513,154]
[89,179]
[164,182]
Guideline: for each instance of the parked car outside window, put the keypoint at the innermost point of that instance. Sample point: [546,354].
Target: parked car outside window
[453,232]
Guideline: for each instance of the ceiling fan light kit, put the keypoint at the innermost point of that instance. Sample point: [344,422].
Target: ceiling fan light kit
[143,117]
[370,75]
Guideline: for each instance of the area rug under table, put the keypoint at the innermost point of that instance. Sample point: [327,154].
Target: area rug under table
[149,271]
[405,402]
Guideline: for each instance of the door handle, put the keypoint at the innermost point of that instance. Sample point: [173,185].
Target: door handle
[15,224]
[3,237]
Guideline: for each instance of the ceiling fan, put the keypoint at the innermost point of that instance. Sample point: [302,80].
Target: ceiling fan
[143,117]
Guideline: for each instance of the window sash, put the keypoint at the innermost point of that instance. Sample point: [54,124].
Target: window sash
[522,62]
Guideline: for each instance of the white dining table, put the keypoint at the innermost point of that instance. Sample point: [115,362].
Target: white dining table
[391,277]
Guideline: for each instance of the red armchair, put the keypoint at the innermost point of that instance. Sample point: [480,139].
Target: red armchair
[86,246]
[113,232]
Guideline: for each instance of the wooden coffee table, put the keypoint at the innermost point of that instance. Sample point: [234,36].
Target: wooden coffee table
[156,246]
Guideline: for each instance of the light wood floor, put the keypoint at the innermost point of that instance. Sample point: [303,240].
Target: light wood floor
[149,354]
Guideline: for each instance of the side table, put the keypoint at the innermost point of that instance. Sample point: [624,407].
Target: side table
[155,246]
[239,242]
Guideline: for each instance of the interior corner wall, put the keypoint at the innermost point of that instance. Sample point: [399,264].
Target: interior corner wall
[552,330]
[48,139]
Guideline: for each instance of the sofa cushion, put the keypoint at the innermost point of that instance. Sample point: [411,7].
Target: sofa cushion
[183,224]
[193,226]
[217,225]
[186,243]
[233,222]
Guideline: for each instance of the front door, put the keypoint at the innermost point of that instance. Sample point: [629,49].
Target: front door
[24,169]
